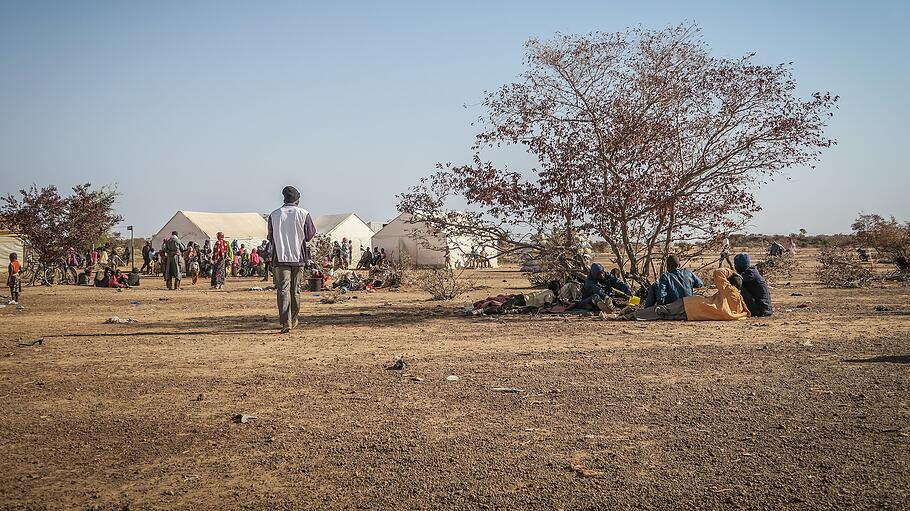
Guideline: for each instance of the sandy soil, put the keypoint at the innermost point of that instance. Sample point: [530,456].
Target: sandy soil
[809,409]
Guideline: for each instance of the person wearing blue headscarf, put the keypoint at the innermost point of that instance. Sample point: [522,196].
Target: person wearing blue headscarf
[755,289]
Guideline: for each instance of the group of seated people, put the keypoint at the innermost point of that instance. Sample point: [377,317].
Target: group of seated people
[740,294]
[112,278]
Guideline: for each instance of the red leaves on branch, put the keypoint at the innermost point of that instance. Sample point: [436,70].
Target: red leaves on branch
[52,223]
[641,137]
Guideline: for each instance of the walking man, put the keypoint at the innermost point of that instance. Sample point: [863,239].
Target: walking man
[290,228]
[173,249]
[725,252]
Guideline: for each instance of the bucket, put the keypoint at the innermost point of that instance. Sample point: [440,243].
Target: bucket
[635,300]
[314,284]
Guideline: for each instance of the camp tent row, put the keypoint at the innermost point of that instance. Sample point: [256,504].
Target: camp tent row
[401,238]
[251,228]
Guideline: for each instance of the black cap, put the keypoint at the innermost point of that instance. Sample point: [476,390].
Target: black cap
[291,195]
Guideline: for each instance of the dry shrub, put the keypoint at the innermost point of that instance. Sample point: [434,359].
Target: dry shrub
[778,268]
[839,268]
[442,283]
[556,256]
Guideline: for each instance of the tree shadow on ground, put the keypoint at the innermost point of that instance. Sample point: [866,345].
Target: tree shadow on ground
[259,323]
[882,359]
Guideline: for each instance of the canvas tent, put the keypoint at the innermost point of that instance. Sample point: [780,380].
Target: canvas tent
[11,242]
[247,228]
[345,225]
[404,238]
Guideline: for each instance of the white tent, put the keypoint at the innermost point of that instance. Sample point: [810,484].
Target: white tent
[247,228]
[402,237]
[345,225]
[11,242]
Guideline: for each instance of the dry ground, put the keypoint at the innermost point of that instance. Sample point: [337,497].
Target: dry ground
[809,409]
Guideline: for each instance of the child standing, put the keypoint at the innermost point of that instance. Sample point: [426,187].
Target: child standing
[14,282]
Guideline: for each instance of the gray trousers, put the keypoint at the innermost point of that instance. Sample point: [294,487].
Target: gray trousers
[287,283]
[671,311]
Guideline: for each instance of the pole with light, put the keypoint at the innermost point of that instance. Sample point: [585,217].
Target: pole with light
[132,248]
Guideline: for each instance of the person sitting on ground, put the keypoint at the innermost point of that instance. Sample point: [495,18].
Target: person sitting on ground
[725,305]
[673,284]
[382,257]
[117,280]
[366,259]
[599,288]
[754,289]
[776,249]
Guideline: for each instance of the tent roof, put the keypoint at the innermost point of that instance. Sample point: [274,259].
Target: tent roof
[325,223]
[234,225]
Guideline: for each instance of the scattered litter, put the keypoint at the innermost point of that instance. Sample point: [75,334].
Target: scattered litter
[135,302]
[882,308]
[119,321]
[255,288]
[163,299]
[20,307]
[808,344]
[2,305]
[788,310]
[583,471]
[398,365]
[452,377]
[796,294]
[803,305]
[416,378]
[511,390]
[32,343]
[317,294]
[242,419]
[200,397]
[364,313]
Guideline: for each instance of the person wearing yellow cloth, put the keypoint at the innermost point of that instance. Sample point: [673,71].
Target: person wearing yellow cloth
[725,305]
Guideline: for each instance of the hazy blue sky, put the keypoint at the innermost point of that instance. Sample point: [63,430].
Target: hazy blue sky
[214,106]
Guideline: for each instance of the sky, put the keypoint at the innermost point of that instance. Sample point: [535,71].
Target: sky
[215,106]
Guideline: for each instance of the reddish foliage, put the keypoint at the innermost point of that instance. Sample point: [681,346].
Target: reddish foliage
[52,223]
[641,137]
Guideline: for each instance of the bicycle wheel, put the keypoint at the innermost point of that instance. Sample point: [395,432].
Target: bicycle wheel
[28,276]
[53,276]
[70,276]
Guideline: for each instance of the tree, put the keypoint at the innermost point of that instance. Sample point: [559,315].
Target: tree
[641,138]
[887,236]
[52,223]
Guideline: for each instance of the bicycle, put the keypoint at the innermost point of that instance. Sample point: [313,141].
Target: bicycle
[59,273]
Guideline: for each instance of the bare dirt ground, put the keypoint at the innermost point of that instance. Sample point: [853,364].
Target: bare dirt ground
[809,409]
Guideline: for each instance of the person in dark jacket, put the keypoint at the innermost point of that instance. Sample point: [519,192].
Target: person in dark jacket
[754,288]
[673,284]
[599,288]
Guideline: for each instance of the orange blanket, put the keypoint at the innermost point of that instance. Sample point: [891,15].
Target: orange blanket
[726,304]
